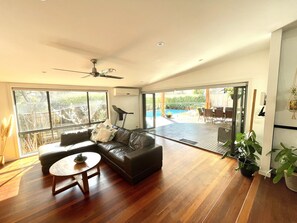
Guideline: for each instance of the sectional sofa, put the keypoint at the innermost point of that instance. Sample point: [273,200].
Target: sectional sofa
[132,154]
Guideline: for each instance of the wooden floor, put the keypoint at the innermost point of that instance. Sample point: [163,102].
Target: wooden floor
[193,186]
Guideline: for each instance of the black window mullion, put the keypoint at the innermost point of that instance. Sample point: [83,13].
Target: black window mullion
[88,104]
[50,113]
[107,108]
[16,110]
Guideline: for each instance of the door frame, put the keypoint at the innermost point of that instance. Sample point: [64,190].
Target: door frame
[243,103]
[144,110]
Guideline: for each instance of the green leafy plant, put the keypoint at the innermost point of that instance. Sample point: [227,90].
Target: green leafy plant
[287,158]
[80,158]
[246,149]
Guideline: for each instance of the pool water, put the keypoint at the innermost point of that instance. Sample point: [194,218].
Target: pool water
[149,114]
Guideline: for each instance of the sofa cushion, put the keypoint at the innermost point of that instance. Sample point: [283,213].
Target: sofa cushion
[106,147]
[69,138]
[85,146]
[50,153]
[117,154]
[139,141]
[122,136]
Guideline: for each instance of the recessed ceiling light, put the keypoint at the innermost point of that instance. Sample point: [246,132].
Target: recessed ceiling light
[161,43]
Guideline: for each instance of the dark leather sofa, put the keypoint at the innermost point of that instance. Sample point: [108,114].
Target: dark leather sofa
[133,155]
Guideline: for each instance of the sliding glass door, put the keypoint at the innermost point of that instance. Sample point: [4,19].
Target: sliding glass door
[239,111]
[149,111]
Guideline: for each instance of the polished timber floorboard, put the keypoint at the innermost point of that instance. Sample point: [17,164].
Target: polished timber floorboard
[193,186]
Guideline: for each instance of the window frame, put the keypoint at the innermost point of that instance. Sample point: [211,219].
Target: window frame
[52,128]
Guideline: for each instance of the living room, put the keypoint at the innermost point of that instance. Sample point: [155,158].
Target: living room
[167,46]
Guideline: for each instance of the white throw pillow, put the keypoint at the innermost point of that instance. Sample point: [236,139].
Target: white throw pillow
[107,126]
[107,123]
[103,135]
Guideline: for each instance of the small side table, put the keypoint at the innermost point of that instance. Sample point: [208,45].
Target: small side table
[66,167]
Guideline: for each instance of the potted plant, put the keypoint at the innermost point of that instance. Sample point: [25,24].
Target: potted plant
[230,92]
[246,148]
[286,157]
[5,132]
[168,115]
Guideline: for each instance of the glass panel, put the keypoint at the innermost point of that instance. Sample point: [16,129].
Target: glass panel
[68,108]
[30,142]
[32,110]
[149,111]
[98,106]
[240,109]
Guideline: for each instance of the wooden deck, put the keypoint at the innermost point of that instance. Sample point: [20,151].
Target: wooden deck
[193,186]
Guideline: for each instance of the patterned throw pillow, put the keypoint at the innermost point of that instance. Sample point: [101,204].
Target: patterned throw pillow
[101,131]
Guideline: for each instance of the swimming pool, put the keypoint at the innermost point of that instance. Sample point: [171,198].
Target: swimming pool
[149,114]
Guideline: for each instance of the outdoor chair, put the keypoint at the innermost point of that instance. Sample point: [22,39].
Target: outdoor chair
[201,113]
[208,115]
[218,114]
[228,115]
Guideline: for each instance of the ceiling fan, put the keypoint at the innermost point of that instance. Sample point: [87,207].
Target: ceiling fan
[94,72]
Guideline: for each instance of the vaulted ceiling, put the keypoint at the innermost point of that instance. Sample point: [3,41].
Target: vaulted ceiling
[145,41]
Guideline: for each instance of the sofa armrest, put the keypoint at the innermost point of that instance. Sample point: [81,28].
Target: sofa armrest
[142,159]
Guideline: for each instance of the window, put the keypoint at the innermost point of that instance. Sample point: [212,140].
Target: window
[68,108]
[43,115]
[98,106]
[32,110]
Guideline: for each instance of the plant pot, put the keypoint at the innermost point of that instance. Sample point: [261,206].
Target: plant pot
[291,181]
[247,168]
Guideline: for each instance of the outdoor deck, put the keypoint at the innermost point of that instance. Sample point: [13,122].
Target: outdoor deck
[188,128]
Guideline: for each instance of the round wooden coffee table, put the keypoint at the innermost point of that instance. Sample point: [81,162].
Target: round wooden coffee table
[66,167]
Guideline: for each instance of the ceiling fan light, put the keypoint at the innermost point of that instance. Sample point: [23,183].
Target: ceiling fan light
[111,70]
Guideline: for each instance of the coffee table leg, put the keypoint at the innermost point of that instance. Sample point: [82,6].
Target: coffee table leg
[54,185]
[85,182]
[98,169]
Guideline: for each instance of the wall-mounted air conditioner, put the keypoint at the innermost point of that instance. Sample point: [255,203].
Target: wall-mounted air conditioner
[126,91]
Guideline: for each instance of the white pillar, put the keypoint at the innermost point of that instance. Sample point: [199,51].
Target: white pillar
[274,62]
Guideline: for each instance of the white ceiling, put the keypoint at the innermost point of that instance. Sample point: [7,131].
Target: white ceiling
[36,36]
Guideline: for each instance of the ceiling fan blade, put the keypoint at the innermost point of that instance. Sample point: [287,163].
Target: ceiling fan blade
[71,71]
[110,76]
[109,70]
[86,76]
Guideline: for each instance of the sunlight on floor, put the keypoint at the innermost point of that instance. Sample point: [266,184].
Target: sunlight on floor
[11,175]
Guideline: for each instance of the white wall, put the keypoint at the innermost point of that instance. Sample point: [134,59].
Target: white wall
[129,103]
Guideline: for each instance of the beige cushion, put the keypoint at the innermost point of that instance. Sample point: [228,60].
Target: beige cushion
[107,130]
[103,135]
